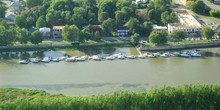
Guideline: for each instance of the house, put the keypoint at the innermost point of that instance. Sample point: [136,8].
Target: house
[122,31]
[159,28]
[17,6]
[185,1]
[46,32]
[187,22]
[10,18]
[57,32]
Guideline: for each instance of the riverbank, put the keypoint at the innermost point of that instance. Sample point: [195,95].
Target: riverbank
[172,98]
[178,47]
[63,46]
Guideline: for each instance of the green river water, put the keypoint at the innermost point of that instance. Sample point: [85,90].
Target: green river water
[98,77]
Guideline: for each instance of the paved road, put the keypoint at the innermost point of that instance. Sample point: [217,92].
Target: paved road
[213,6]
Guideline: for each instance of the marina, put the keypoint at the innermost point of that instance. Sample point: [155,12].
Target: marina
[193,53]
[91,73]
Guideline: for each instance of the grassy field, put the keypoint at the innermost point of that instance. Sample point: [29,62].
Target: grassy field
[207,17]
[186,42]
[186,97]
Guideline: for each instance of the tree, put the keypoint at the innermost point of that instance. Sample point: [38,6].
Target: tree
[132,24]
[103,16]
[165,17]
[33,3]
[119,16]
[40,22]
[218,33]
[148,26]
[20,21]
[135,39]
[98,36]
[178,35]
[70,33]
[23,36]
[4,23]
[36,37]
[82,37]
[207,32]
[78,20]
[108,26]
[191,5]
[158,37]
[3,9]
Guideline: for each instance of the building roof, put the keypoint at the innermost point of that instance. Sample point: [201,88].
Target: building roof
[155,27]
[44,29]
[58,27]
[15,4]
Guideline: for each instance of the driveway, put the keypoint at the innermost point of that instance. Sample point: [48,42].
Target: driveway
[213,6]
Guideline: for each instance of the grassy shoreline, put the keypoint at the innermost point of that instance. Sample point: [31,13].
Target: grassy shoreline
[184,97]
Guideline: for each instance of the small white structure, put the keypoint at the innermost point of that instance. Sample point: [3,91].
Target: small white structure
[217,1]
[141,1]
[46,31]
[122,33]
[159,28]
[57,31]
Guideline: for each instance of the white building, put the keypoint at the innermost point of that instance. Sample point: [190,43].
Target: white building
[187,22]
[159,28]
[57,31]
[217,1]
[46,32]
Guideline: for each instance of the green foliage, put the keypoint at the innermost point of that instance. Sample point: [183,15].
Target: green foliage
[135,39]
[108,26]
[70,33]
[4,23]
[33,3]
[218,33]
[40,22]
[148,26]
[98,36]
[186,97]
[7,36]
[103,16]
[158,37]
[3,9]
[20,21]
[23,36]
[36,37]
[178,35]
[214,13]
[198,7]
[168,18]
[207,32]
[132,24]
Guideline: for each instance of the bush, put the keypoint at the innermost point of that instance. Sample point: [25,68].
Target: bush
[214,13]
[187,97]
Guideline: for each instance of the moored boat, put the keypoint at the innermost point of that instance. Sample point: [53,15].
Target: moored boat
[165,55]
[110,58]
[71,59]
[46,60]
[142,56]
[23,61]
[131,57]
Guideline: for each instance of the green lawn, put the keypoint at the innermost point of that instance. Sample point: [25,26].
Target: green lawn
[207,17]
[185,42]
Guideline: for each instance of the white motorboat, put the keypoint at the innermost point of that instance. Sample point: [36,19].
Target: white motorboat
[97,58]
[63,58]
[165,55]
[151,56]
[131,57]
[185,54]
[121,57]
[85,57]
[71,59]
[46,60]
[146,54]
[23,61]
[81,59]
[56,60]
[196,55]
[157,54]
[175,54]
[110,58]
[142,56]
[116,55]
[35,60]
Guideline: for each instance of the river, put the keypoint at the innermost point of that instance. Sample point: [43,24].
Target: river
[98,77]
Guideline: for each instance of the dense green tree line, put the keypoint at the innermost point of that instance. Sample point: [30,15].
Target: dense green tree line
[187,97]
